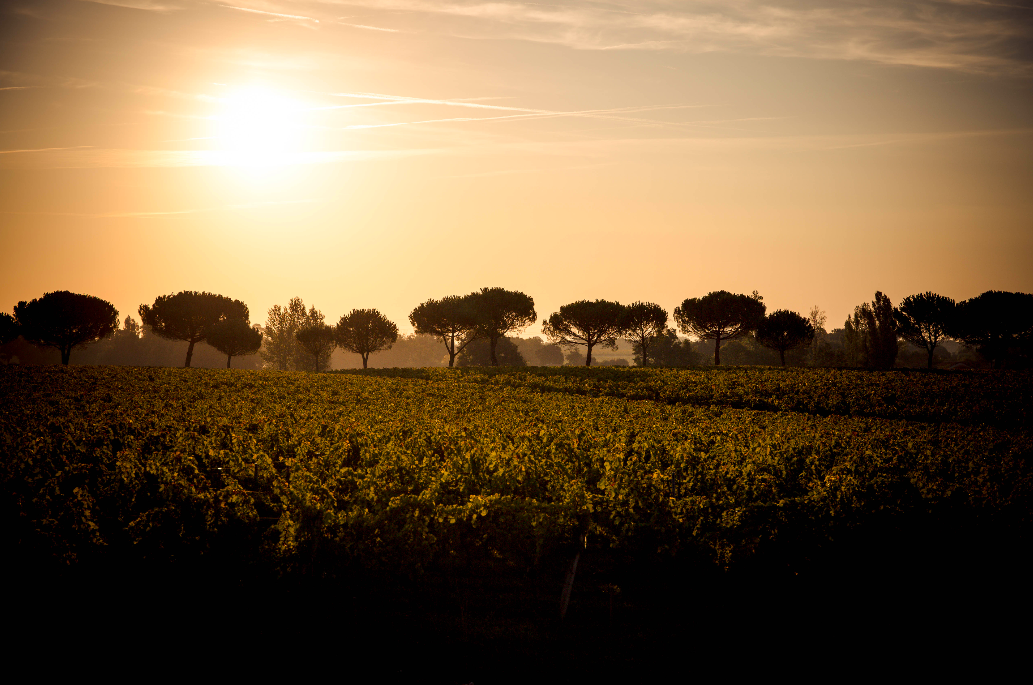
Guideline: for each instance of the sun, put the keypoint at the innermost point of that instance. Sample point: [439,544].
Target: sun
[259,128]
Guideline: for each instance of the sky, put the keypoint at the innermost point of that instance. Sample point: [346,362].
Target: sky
[379,153]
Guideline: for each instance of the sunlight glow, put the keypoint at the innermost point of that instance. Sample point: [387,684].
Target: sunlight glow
[259,128]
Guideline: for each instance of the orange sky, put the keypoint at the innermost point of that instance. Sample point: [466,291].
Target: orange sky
[379,153]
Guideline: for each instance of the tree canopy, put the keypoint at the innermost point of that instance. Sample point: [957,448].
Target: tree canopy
[65,320]
[452,318]
[232,337]
[550,355]
[188,315]
[281,348]
[478,353]
[784,330]
[8,328]
[319,340]
[642,322]
[998,323]
[870,335]
[720,315]
[586,323]
[924,320]
[365,331]
[500,312]
[669,350]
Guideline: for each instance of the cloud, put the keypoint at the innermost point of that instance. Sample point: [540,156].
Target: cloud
[139,5]
[44,149]
[964,35]
[179,212]
[278,15]
[369,28]
[107,158]
[522,112]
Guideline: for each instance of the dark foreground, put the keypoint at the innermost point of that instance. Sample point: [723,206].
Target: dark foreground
[421,524]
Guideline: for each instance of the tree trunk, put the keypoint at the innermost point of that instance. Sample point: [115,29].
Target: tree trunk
[66,353]
[782,355]
[228,358]
[588,357]
[365,360]
[451,351]
[494,342]
[717,351]
[190,353]
[317,362]
[930,364]
[643,343]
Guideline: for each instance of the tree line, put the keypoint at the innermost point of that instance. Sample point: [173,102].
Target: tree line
[476,328]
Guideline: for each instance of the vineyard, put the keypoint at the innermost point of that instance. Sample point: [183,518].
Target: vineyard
[483,485]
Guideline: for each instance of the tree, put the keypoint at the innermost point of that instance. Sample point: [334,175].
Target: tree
[234,337]
[642,323]
[586,323]
[281,348]
[188,315]
[65,320]
[365,331]
[999,323]
[870,335]
[8,328]
[550,355]
[720,315]
[319,340]
[669,350]
[574,357]
[499,312]
[452,318]
[478,353]
[924,320]
[784,330]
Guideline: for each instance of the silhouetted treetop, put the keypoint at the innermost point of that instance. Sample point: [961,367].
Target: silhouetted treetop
[365,331]
[65,320]
[478,353]
[720,315]
[452,318]
[188,315]
[999,323]
[319,340]
[8,328]
[234,338]
[924,320]
[500,312]
[281,348]
[784,330]
[870,335]
[642,322]
[588,323]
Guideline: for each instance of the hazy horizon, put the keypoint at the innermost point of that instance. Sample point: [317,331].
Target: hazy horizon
[378,153]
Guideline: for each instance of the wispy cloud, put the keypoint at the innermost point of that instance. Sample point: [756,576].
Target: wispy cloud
[106,158]
[178,212]
[369,28]
[140,5]
[966,35]
[45,149]
[521,112]
[278,15]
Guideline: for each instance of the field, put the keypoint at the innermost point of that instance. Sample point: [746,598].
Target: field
[455,501]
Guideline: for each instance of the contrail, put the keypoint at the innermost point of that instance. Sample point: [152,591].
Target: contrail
[45,149]
[144,215]
[275,14]
[526,112]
